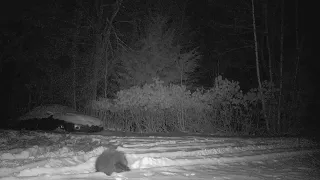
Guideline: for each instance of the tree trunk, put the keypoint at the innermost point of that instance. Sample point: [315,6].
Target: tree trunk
[75,55]
[74,85]
[257,66]
[74,75]
[299,46]
[281,67]
[268,42]
[108,46]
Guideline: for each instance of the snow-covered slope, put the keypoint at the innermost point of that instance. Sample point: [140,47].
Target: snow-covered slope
[59,156]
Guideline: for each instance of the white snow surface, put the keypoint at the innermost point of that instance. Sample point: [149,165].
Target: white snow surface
[151,157]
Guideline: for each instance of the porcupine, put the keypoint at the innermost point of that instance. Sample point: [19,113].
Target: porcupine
[111,161]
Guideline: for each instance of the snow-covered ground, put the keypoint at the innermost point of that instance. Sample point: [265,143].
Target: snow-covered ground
[52,156]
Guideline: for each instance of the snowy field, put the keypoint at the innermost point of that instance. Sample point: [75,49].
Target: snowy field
[59,156]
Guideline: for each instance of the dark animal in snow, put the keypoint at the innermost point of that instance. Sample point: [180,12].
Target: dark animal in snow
[111,161]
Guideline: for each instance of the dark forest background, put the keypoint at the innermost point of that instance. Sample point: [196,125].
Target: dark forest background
[78,51]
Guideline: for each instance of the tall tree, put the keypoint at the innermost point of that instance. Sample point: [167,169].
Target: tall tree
[281,68]
[156,54]
[257,65]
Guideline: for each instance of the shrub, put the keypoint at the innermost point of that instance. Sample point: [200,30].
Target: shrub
[158,108]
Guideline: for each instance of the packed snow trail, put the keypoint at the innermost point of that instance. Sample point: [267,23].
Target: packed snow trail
[60,156]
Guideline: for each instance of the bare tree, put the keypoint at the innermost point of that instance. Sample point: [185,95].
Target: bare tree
[257,65]
[299,46]
[101,23]
[75,55]
[281,67]
[268,39]
[156,55]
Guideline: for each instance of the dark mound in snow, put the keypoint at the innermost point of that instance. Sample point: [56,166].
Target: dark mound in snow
[51,117]
[111,161]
